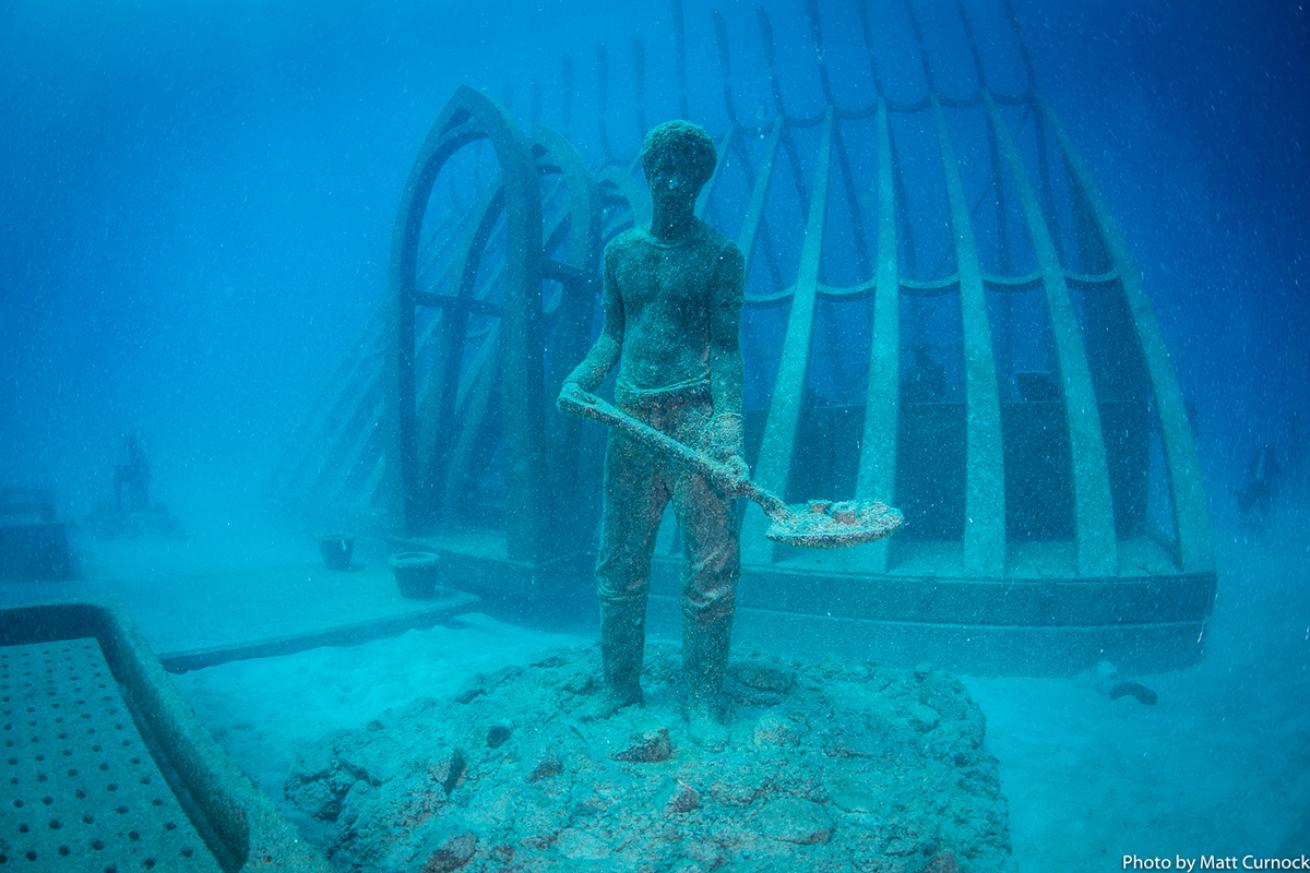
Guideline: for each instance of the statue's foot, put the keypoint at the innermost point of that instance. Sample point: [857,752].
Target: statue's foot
[610,701]
[707,724]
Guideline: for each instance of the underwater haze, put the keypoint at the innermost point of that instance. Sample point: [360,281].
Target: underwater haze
[198,198]
[197,207]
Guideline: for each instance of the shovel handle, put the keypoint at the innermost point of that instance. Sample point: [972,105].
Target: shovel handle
[586,405]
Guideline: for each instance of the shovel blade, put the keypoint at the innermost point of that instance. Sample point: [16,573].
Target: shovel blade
[824,525]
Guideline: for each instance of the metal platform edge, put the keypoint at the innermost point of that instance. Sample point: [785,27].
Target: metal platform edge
[211,787]
[1014,627]
[1049,651]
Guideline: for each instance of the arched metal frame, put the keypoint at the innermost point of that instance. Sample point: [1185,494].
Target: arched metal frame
[427,474]
[468,117]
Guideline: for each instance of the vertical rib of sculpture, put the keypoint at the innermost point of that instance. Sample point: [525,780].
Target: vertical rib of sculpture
[1094,529]
[882,405]
[984,500]
[774,466]
[1191,516]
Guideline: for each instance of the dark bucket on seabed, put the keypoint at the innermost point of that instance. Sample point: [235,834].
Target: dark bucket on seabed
[336,551]
[415,572]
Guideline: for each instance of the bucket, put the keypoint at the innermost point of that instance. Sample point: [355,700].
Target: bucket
[336,551]
[415,572]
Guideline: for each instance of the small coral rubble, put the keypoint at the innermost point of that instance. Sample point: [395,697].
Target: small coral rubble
[829,767]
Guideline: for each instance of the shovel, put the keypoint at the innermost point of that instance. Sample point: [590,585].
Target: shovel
[820,524]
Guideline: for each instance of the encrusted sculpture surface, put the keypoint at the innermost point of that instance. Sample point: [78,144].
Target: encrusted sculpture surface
[672,300]
[834,766]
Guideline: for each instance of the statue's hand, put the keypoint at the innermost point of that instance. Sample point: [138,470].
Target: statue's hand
[731,476]
[724,443]
[571,394]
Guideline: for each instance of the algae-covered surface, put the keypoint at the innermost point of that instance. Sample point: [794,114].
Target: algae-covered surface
[833,766]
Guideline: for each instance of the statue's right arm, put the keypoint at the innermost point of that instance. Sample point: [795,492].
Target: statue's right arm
[605,351]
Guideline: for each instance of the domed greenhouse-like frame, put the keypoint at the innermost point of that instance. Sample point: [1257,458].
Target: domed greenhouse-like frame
[1004,380]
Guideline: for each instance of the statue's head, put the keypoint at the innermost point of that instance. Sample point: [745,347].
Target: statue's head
[678,157]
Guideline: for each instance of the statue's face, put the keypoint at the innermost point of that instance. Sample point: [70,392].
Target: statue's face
[672,183]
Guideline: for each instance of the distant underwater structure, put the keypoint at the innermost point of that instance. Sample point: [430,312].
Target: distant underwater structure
[940,313]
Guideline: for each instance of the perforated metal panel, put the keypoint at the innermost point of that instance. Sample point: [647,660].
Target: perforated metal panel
[82,791]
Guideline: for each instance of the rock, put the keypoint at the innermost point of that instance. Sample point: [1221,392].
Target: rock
[581,683]
[792,820]
[318,798]
[546,766]
[469,693]
[762,678]
[374,756]
[454,854]
[315,784]
[647,747]
[923,718]
[356,800]
[448,770]
[497,734]
[684,799]
[503,675]
[851,737]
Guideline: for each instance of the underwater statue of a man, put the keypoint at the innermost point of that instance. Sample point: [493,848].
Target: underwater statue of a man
[132,478]
[672,310]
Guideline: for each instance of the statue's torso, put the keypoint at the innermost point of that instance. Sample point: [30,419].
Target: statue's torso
[667,293]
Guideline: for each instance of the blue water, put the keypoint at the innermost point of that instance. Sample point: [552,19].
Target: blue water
[197,203]
[187,188]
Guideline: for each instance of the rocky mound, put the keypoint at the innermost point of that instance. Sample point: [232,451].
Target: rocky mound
[827,767]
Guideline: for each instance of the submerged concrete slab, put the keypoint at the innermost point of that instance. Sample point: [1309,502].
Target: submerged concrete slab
[109,768]
[86,791]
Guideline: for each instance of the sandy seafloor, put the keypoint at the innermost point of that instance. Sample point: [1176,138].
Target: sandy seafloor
[1221,766]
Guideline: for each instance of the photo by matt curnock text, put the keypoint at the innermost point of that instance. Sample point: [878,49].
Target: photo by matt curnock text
[1188,863]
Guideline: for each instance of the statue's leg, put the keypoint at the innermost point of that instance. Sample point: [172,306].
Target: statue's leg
[634,501]
[709,583]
